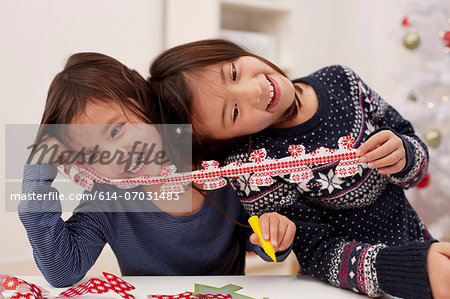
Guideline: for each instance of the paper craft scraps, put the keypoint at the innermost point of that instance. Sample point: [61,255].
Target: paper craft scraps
[228,289]
[261,168]
[204,291]
[98,286]
[23,288]
[26,290]
[189,295]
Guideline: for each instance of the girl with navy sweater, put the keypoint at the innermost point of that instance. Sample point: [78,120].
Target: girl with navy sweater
[358,232]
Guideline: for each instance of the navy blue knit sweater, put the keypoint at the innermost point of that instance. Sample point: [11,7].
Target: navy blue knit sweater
[146,242]
[358,232]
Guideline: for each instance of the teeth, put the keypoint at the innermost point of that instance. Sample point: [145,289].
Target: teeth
[137,168]
[271,92]
[270,89]
[138,164]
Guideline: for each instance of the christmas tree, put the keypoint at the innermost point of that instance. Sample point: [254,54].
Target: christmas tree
[422,96]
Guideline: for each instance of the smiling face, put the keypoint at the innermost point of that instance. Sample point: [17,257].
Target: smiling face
[238,98]
[104,129]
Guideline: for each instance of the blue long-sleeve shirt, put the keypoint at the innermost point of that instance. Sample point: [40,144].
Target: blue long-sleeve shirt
[145,243]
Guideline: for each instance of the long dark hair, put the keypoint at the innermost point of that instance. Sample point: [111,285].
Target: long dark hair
[173,94]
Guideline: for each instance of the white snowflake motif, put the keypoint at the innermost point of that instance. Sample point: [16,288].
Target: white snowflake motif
[369,128]
[351,274]
[244,184]
[330,181]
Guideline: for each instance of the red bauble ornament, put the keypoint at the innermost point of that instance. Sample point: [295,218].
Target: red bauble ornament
[424,182]
[446,38]
[405,22]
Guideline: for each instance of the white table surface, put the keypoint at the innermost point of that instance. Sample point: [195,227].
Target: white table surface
[273,287]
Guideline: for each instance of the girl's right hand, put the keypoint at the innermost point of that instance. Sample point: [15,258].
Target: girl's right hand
[438,264]
[276,228]
[385,151]
[49,152]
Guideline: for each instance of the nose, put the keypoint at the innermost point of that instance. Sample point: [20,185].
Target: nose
[250,94]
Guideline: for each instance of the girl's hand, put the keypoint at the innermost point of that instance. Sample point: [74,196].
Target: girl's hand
[384,150]
[48,152]
[438,264]
[276,228]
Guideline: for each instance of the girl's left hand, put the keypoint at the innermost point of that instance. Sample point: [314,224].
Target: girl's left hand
[384,150]
[276,228]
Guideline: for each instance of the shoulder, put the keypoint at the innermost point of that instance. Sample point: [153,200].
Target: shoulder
[328,73]
[329,78]
[336,77]
[335,73]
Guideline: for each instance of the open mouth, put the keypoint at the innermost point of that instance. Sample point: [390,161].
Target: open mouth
[137,164]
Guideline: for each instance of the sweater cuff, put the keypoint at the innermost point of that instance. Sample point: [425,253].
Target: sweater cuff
[402,270]
[409,156]
[280,256]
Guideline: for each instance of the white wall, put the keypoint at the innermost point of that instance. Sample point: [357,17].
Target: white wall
[36,39]
[361,34]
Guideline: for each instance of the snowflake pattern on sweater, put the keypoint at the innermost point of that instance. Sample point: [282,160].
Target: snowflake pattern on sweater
[342,223]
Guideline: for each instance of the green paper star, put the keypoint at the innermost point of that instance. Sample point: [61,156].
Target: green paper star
[228,289]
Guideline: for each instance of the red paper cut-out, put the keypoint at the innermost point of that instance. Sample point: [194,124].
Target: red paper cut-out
[261,169]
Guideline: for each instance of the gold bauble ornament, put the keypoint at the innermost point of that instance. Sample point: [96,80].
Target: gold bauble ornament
[412,96]
[411,40]
[433,138]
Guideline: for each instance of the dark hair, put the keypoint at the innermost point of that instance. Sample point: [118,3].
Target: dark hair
[174,95]
[93,77]
[89,77]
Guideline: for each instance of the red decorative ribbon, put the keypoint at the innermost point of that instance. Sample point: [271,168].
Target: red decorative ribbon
[261,169]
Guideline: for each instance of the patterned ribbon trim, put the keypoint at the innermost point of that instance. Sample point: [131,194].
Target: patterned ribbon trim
[261,168]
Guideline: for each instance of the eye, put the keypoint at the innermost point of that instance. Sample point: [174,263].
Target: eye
[116,130]
[233,72]
[235,112]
